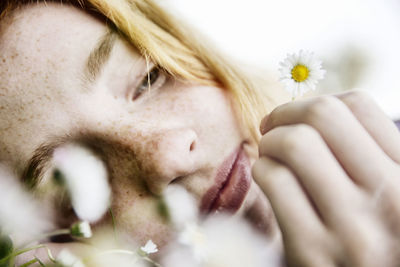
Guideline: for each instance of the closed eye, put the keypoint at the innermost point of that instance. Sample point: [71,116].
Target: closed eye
[154,79]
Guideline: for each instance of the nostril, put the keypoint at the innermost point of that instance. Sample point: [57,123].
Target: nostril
[177,179]
[192,146]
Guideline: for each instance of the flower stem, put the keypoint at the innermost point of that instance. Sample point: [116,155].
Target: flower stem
[113,224]
[19,252]
[117,251]
[26,264]
[152,262]
[46,235]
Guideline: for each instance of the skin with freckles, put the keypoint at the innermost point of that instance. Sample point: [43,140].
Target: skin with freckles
[176,132]
[328,165]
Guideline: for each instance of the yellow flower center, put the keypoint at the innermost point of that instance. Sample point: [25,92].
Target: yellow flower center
[300,73]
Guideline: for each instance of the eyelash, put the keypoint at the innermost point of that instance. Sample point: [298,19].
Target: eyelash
[154,79]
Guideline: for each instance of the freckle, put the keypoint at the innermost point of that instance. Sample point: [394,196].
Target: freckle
[4,60]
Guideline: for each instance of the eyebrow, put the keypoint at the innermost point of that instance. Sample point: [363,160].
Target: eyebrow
[99,56]
[39,163]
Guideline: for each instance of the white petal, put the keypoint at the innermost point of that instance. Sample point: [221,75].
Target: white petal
[149,247]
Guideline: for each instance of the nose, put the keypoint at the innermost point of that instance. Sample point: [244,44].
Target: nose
[171,154]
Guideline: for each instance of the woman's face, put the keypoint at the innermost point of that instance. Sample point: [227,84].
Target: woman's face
[63,75]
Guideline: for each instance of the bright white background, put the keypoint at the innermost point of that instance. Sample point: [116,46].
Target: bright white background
[357,40]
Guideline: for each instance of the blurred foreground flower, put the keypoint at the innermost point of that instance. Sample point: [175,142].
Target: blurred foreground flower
[20,214]
[181,206]
[218,241]
[221,241]
[301,72]
[85,177]
[66,259]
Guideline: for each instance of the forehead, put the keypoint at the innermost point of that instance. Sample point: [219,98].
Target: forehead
[44,24]
[48,36]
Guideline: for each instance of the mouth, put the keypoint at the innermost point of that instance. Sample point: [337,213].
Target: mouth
[231,186]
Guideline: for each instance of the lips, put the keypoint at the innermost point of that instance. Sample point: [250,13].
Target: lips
[232,183]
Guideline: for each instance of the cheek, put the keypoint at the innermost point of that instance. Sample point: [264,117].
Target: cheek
[135,209]
[137,215]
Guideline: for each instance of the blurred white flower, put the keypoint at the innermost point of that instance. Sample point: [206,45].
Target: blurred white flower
[193,237]
[182,207]
[81,229]
[220,241]
[149,247]
[67,259]
[117,258]
[20,214]
[85,177]
[301,72]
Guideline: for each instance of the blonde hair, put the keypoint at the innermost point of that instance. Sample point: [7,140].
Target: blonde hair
[172,46]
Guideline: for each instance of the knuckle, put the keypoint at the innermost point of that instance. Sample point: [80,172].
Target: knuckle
[323,108]
[357,100]
[299,139]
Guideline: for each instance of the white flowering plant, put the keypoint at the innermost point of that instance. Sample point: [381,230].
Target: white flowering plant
[208,242]
[90,199]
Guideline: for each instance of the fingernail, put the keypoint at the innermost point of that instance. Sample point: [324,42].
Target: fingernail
[263,124]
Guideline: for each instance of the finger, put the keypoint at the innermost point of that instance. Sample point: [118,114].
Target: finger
[293,211]
[354,148]
[305,239]
[375,121]
[302,149]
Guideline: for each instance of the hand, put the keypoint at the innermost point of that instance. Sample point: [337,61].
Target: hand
[330,166]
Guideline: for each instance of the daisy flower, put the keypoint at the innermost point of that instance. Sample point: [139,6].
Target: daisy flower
[301,72]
